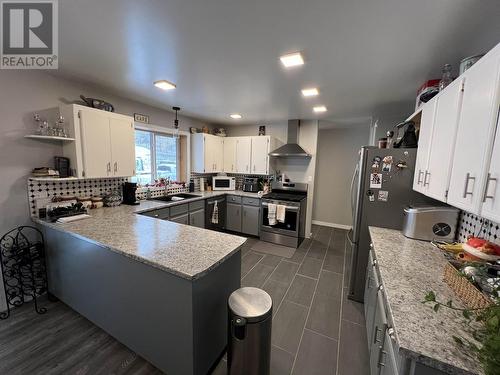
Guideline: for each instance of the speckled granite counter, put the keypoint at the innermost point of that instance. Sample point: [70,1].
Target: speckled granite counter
[185,251]
[408,270]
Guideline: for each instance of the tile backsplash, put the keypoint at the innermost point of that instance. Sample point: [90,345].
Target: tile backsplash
[470,224]
[41,191]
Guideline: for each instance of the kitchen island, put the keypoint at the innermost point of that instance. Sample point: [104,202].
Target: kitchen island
[158,287]
[403,271]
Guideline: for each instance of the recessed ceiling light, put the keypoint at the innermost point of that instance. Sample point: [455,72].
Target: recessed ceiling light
[313,91]
[292,59]
[236,116]
[320,108]
[164,85]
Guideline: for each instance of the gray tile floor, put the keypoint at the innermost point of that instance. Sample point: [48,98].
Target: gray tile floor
[316,329]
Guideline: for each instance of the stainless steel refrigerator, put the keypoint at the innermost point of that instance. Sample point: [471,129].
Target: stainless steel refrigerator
[381,187]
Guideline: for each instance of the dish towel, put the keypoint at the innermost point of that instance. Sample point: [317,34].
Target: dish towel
[280,213]
[271,213]
[215,214]
[69,219]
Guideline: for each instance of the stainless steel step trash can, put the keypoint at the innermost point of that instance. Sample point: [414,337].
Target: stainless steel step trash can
[249,341]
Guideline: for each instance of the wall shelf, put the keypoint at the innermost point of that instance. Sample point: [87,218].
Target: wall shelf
[49,138]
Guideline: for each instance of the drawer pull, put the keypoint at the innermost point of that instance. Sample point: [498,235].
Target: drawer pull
[375,335]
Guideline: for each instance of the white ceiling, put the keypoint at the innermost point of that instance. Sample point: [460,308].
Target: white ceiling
[367,57]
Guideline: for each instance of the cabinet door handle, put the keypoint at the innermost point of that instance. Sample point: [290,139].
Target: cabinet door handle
[116,166]
[486,196]
[108,167]
[381,362]
[466,188]
[375,335]
[425,178]
[419,179]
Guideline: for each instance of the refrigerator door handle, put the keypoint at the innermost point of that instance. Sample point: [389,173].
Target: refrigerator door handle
[349,236]
[355,173]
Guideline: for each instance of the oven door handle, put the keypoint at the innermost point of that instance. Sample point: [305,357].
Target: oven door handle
[289,208]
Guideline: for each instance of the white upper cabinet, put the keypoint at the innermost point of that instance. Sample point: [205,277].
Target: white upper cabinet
[229,155]
[95,138]
[491,197]
[207,153]
[122,140]
[104,142]
[475,134]
[243,154]
[246,155]
[260,155]
[442,145]
[424,145]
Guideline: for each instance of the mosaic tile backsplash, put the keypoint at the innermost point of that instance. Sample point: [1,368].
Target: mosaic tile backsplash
[41,191]
[470,224]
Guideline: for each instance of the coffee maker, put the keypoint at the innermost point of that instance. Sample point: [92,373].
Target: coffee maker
[129,189]
[251,184]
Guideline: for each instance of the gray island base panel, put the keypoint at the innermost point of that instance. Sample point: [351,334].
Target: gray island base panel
[177,324]
[408,270]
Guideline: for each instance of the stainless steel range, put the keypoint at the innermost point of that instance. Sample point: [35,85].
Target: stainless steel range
[291,230]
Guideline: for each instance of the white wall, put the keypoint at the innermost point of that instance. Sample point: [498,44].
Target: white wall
[297,169]
[337,157]
[21,94]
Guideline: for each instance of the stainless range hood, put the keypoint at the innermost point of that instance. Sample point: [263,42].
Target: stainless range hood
[291,149]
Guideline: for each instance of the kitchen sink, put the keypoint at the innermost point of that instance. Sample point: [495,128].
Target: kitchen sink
[175,197]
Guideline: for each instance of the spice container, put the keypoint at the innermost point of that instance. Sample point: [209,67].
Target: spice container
[97,202]
[85,201]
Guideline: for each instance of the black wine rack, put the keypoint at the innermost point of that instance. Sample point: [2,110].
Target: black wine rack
[24,272]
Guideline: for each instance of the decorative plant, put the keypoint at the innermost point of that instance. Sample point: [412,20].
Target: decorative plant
[487,333]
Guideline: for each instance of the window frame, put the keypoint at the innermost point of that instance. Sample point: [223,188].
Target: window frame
[161,130]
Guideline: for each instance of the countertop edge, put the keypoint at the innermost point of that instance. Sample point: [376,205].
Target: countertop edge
[136,258]
[407,352]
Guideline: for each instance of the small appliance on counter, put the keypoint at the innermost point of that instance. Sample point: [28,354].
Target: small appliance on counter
[129,189]
[223,183]
[430,223]
[251,184]
[61,164]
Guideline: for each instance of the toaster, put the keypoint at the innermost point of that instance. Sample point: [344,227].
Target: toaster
[430,223]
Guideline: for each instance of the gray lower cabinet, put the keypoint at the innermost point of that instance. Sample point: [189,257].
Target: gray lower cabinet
[377,335]
[233,217]
[181,219]
[250,220]
[197,218]
[370,299]
[387,361]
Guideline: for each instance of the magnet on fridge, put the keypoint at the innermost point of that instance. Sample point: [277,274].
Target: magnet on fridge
[375,180]
[387,163]
[371,196]
[383,195]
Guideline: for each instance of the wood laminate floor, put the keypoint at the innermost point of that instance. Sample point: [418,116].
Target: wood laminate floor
[316,329]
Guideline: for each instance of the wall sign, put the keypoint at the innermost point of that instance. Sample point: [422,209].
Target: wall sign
[138,117]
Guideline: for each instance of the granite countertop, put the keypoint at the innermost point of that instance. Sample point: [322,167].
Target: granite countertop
[186,251]
[408,270]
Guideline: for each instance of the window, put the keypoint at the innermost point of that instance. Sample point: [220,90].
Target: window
[156,156]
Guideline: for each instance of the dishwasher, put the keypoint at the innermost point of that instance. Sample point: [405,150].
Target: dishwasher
[209,209]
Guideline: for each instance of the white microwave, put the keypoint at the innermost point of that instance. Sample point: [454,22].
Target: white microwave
[223,183]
